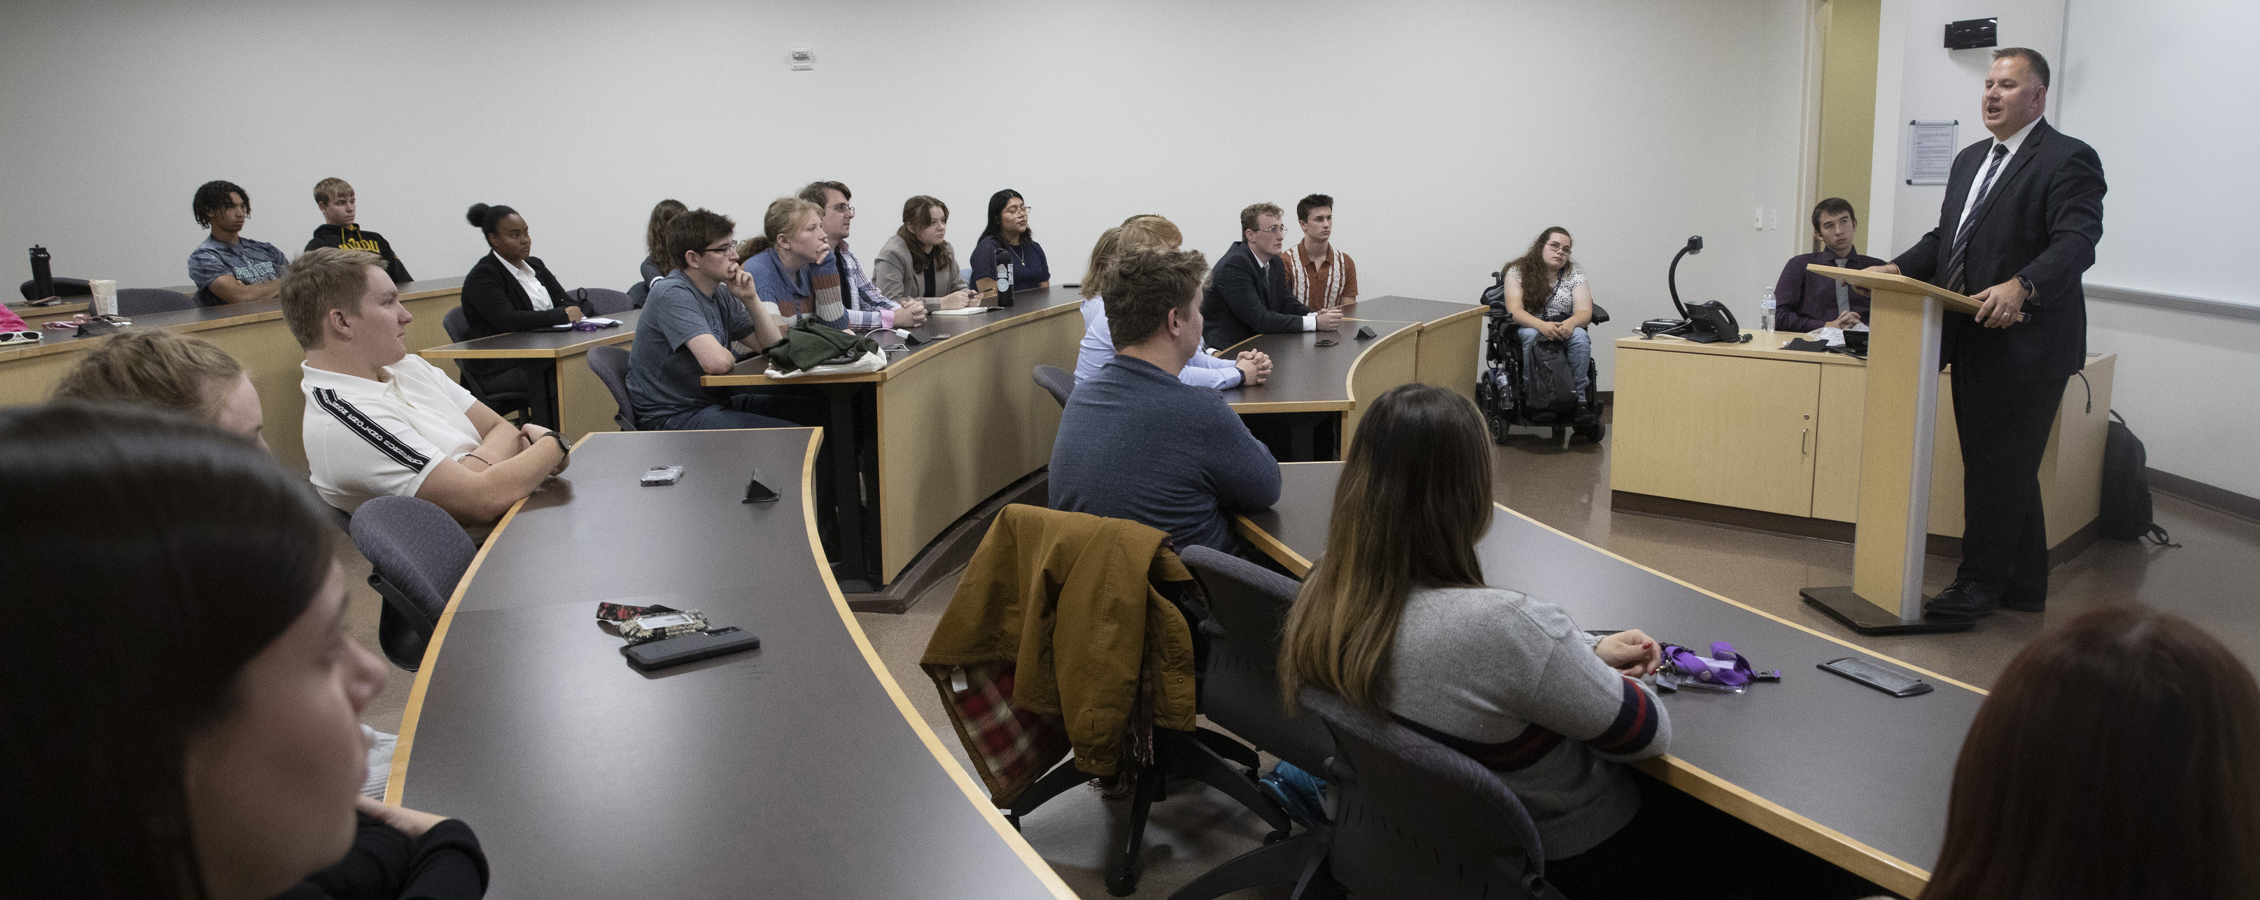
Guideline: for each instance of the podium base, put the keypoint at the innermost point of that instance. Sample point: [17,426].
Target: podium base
[1867,618]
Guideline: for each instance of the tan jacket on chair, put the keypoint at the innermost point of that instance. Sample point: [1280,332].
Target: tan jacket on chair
[1068,597]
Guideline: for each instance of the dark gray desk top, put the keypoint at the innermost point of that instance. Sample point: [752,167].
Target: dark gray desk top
[938,331]
[1867,766]
[544,344]
[1404,309]
[787,771]
[1308,376]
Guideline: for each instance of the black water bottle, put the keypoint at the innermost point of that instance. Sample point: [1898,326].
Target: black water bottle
[42,278]
[1003,260]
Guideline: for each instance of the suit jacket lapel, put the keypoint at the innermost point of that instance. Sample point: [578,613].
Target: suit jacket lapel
[2025,152]
[510,283]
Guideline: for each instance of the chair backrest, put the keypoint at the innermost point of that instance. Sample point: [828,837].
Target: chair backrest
[638,292]
[415,545]
[1241,693]
[1418,819]
[458,327]
[605,301]
[610,364]
[150,301]
[1056,382]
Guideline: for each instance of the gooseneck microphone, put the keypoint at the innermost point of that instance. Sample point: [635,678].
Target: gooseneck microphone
[1671,277]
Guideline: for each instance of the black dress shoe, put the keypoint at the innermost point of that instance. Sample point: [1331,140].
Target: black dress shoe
[1963,601]
[1586,415]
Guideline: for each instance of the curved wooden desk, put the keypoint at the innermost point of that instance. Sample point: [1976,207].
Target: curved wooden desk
[1853,775]
[253,333]
[796,770]
[1429,341]
[584,404]
[960,417]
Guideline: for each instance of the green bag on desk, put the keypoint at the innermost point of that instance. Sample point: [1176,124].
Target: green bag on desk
[810,343]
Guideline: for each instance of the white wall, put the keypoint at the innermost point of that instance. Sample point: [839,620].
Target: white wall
[1918,78]
[2184,380]
[1450,132]
[2140,83]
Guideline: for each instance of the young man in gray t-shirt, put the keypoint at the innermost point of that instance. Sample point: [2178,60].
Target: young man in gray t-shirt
[688,324]
[228,267]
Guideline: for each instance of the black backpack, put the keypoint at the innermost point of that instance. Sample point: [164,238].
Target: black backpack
[1551,387]
[2126,514]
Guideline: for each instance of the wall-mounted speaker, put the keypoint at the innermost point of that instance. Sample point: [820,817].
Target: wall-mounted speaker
[1970,34]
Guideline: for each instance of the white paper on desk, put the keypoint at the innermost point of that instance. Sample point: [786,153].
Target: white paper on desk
[600,320]
[1832,335]
[962,311]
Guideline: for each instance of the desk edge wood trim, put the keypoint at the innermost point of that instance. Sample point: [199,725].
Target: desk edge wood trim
[988,811]
[1820,840]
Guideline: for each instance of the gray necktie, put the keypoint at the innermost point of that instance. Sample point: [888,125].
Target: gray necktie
[1843,291]
[1954,262]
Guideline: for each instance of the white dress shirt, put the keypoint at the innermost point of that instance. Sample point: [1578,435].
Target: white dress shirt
[2015,141]
[535,290]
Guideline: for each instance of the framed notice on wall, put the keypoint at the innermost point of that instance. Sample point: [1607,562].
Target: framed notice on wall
[1930,150]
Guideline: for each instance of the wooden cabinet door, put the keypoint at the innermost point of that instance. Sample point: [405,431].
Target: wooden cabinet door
[1727,430]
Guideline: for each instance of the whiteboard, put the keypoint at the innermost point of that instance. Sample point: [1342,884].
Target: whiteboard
[2164,92]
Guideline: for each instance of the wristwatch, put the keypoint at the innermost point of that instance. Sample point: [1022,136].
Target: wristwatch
[562,447]
[2030,291]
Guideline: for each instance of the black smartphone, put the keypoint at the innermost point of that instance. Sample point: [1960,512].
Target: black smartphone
[1327,342]
[1878,677]
[684,648]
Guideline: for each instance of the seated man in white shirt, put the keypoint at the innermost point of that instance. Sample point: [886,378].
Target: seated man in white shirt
[379,421]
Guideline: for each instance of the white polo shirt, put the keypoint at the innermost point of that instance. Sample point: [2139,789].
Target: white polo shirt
[367,439]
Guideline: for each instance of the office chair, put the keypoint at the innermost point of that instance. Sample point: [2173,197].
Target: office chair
[502,402]
[417,553]
[1417,819]
[1056,382]
[1248,607]
[150,301]
[610,363]
[605,302]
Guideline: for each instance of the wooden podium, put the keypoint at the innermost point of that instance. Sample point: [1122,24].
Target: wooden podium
[1906,322]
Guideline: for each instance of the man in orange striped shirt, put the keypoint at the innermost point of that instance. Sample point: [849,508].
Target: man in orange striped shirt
[1322,277]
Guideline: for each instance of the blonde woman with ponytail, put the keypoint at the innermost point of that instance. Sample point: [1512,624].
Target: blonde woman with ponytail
[1141,232]
[782,261]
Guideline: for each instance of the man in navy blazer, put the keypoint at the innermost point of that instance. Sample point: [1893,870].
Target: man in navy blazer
[1247,292]
[2023,212]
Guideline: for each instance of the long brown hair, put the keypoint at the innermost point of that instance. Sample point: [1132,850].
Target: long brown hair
[1531,269]
[655,235]
[2118,756]
[1142,231]
[1414,496]
[917,214]
[196,552]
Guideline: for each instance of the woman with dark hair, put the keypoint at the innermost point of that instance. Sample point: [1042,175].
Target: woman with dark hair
[193,731]
[1008,232]
[1549,298]
[2118,756]
[918,263]
[510,290]
[1396,619]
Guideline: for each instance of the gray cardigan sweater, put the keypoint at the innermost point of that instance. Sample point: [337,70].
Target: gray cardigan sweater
[899,280]
[1513,683]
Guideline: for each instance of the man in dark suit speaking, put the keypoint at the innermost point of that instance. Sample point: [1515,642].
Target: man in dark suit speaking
[2022,214]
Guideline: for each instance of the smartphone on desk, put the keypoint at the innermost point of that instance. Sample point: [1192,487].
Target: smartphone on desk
[1878,677]
[691,647]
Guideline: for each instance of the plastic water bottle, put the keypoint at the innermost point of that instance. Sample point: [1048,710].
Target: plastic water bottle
[1765,311]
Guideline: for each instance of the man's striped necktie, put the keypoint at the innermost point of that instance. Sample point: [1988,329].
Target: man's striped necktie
[1962,234]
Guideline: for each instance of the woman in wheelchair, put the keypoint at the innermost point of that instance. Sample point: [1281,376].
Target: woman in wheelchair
[1550,301]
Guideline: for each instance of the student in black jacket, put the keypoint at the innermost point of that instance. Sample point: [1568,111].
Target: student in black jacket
[510,290]
[334,197]
[1248,292]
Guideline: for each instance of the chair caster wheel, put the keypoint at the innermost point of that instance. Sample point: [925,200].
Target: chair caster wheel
[1122,883]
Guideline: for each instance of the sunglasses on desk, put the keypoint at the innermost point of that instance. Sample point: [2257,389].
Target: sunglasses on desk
[19,337]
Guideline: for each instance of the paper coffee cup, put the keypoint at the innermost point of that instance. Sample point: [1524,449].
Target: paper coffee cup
[105,300]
